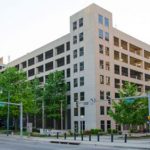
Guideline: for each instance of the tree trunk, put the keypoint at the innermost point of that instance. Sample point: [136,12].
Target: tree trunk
[34,120]
[15,124]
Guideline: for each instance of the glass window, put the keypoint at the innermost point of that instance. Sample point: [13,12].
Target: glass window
[68,86]
[101,48]
[68,99]
[81,37]
[49,54]
[40,58]
[31,61]
[68,59]
[74,25]
[108,108]
[108,124]
[106,36]
[100,33]
[75,67]
[68,46]
[81,51]
[108,95]
[81,81]
[81,96]
[102,122]
[102,111]
[107,51]
[75,82]
[82,111]
[60,49]
[101,95]
[80,22]
[75,97]
[49,66]
[74,39]
[75,53]
[68,72]
[101,79]
[107,80]
[75,111]
[100,19]
[106,22]
[81,66]
[76,126]
[101,64]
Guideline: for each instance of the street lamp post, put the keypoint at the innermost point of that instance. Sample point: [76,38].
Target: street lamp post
[61,111]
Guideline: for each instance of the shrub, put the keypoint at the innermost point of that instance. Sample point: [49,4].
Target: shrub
[96,131]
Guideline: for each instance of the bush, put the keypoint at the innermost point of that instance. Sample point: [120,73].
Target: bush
[87,132]
[112,131]
[96,131]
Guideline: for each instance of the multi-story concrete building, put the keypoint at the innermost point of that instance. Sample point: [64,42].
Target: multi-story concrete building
[1,63]
[97,59]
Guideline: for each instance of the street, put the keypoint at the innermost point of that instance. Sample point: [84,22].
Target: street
[10,143]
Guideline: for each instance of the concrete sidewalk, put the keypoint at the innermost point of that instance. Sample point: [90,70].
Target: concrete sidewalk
[135,144]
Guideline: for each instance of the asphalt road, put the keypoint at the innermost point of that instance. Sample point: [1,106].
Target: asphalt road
[7,143]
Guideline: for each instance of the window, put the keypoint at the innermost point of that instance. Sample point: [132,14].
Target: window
[40,58]
[107,51]
[117,83]
[100,33]
[108,124]
[116,55]
[81,66]
[60,62]
[68,86]
[75,68]
[107,66]
[81,96]
[102,122]
[74,25]
[49,54]
[101,48]
[102,111]
[76,126]
[75,82]
[75,53]
[101,64]
[68,46]
[68,59]
[124,71]
[117,69]
[24,64]
[80,22]
[100,19]
[68,99]
[31,72]
[81,81]
[81,37]
[101,95]
[101,79]
[75,111]
[108,95]
[106,36]
[106,22]
[40,69]
[81,51]
[31,62]
[49,66]
[75,97]
[108,108]
[60,49]
[82,111]
[74,39]
[107,80]
[68,72]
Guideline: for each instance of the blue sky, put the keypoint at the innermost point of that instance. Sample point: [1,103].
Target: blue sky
[28,24]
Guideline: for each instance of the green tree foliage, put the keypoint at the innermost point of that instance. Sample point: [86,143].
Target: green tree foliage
[131,112]
[54,94]
[15,82]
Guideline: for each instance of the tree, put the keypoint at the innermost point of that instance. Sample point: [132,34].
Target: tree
[129,112]
[55,95]
[15,82]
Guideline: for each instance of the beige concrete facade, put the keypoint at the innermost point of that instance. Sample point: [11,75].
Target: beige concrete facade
[97,59]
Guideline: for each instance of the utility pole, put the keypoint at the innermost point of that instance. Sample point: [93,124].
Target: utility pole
[8,109]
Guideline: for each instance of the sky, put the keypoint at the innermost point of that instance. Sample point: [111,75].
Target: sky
[26,25]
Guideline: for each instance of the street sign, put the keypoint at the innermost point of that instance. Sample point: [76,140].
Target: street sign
[129,100]
[2,105]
